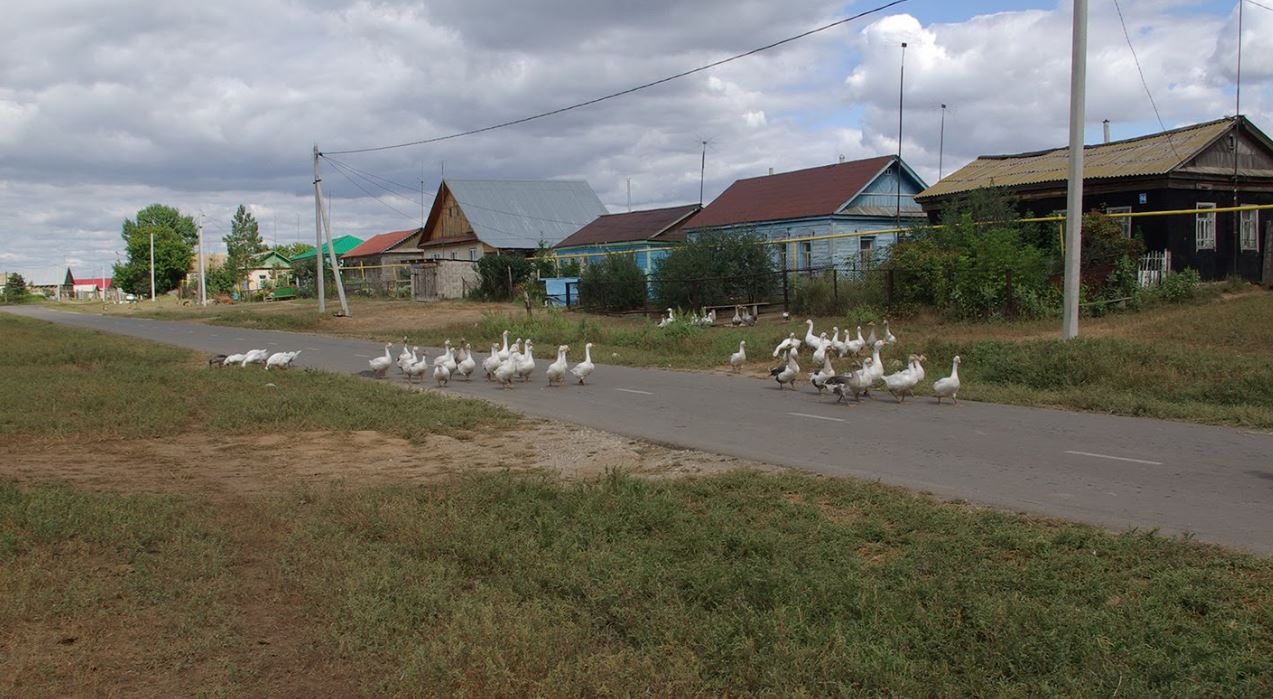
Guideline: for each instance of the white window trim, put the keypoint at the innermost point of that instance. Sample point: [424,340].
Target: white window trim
[1204,223]
[1253,242]
[1124,221]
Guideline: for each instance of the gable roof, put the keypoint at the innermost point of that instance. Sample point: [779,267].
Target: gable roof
[663,224]
[264,258]
[95,282]
[380,242]
[816,191]
[520,213]
[341,245]
[1154,154]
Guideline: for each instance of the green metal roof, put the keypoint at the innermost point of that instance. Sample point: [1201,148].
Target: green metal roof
[343,244]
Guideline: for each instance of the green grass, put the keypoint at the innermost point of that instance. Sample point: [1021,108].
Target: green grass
[64,382]
[761,585]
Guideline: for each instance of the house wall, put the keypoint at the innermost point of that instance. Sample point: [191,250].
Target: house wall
[443,279]
[844,251]
[647,253]
[459,251]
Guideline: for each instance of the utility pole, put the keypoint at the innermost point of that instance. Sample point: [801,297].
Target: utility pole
[1074,190]
[153,299]
[702,169]
[941,142]
[630,194]
[1237,111]
[203,276]
[326,224]
[422,195]
[318,236]
[901,84]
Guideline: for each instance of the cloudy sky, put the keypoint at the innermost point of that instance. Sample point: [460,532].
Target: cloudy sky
[106,107]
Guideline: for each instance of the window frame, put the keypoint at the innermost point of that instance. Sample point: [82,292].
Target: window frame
[1254,222]
[1124,221]
[1204,222]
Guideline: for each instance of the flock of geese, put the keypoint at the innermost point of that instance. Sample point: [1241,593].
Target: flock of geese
[504,364]
[858,382]
[276,360]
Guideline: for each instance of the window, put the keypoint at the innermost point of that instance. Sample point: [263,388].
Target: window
[1124,221]
[1205,227]
[806,254]
[866,249]
[472,254]
[1248,223]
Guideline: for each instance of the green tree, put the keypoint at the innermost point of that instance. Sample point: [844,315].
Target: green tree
[499,275]
[242,244]
[15,288]
[173,254]
[162,216]
[291,250]
[615,283]
[716,268]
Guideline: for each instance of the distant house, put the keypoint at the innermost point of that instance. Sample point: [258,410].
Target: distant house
[382,260]
[86,288]
[837,213]
[269,269]
[647,234]
[472,218]
[341,245]
[1201,166]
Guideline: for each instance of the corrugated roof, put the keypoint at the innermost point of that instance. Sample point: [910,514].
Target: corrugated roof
[633,225]
[817,191]
[1155,154]
[342,245]
[521,213]
[380,242]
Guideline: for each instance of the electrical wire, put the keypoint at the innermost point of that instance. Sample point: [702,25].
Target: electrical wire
[366,191]
[1127,35]
[372,178]
[628,91]
[1257,4]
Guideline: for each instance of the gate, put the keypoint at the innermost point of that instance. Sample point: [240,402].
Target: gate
[1153,266]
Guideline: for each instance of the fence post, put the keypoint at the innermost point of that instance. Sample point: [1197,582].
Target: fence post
[786,298]
[567,295]
[888,287]
[835,285]
[1011,309]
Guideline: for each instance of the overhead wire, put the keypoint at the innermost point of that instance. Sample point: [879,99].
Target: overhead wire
[643,86]
[375,179]
[366,191]
[1127,35]
[1258,4]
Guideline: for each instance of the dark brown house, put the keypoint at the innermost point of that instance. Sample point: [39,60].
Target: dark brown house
[1215,164]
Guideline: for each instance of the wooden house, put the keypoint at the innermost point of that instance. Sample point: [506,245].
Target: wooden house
[647,235]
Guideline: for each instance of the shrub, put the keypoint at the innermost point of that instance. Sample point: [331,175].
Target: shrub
[15,288]
[615,283]
[499,275]
[1179,286]
[715,268]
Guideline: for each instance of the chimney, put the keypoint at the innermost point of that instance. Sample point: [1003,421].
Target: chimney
[771,171]
[1106,125]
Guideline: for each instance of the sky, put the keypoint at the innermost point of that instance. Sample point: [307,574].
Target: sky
[107,107]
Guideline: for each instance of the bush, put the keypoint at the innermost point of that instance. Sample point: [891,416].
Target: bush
[715,268]
[816,296]
[615,283]
[1179,286]
[499,275]
[15,289]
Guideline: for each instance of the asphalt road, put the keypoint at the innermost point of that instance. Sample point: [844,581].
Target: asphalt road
[1117,472]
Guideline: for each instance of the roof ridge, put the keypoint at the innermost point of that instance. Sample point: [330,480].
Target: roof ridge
[1158,134]
[818,167]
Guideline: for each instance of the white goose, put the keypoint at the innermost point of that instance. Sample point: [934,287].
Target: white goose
[258,356]
[738,318]
[786,373]
[855,383]
[820,377]
[526,365]
[417,367]
[379,365]
[856,345]
[503,353]
[556,372]
[889,339]
[491,363]
[870,337]
[902,383]
[441,373]
[584,368]
[466,365]
[233,359]
[820,348]
[949,386]
[505,372]
[404,357]
[810,339]
[281,360]
[840,346]
[736,359]
[791,343]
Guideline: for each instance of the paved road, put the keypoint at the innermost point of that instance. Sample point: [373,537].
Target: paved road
[1113,471]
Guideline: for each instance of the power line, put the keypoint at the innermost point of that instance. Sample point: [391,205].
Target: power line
[372,178]
[1253,2]
[628,91]
[1127,35]
[387,205]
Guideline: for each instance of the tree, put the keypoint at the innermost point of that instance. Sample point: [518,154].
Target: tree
[615,283]
[173,254]
[15,288]
[499,274]
[715,268]
[291,250]
[162,216]
[242,244]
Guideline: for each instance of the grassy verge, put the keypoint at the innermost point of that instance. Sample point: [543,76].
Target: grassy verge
[62,383]
[784,586]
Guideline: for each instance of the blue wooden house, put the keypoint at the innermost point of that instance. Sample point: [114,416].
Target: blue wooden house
[647,235]
[833,215]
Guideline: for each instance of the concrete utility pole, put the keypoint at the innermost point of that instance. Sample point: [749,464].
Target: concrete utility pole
[152,271]
[901,85]
[326,224]
[1074,190]
[318,237]
[941,142]
[203,276]
[702,170]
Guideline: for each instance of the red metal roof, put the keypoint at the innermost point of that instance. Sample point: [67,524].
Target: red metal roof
[377,244]
[95,281]
[817,191]
[663,224]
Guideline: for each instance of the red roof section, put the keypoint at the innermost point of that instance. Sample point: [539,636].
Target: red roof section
[95,281]
[378,243]
[817,191]
[634,225]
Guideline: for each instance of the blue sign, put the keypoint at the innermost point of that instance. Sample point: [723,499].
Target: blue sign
[1142,197]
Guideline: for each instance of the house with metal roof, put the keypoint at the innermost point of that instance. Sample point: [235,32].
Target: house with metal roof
[269,269]
[832,215]
[381,262]
[341,245]
[472,218]
[1214,164]
[647,235]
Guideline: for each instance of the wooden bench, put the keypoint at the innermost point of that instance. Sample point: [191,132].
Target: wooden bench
[282,293]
